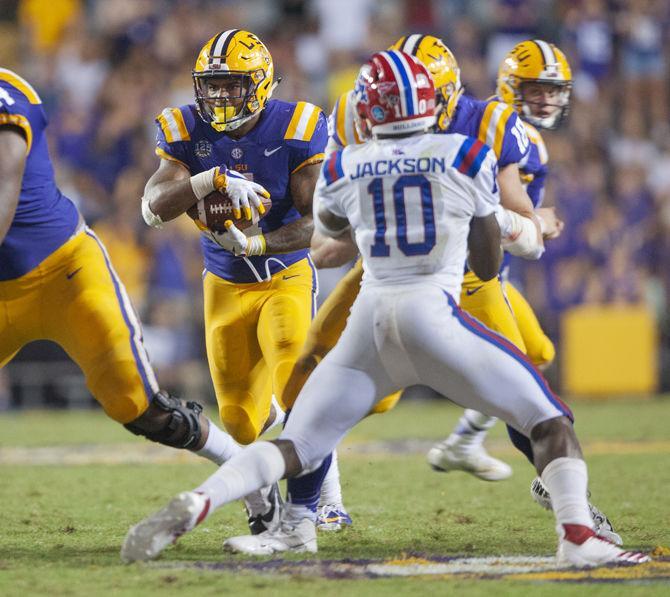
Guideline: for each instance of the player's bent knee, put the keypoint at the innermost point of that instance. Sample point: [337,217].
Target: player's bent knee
[386,404]
[239,424]
[170,422]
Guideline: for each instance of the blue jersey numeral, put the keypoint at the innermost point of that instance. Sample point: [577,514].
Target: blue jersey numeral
[380,248]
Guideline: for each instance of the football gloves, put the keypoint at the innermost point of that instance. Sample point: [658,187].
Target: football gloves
[235,241]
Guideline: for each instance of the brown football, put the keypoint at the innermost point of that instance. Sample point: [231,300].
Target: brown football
[213,210]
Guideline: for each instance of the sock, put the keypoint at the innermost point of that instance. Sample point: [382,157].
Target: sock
[331,490]
[219,446]
[521,443]
[471,429]
[258,465]
[567,480]
[294,513]
[306,489]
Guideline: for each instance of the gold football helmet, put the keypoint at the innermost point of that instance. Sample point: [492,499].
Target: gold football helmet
[233,79]
[443,68]
[544,66]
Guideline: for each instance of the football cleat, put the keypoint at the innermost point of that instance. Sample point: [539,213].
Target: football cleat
[580,546]
[152,535]
[447,456]
[601,524]
[332,517]
[299,537]
[270,505]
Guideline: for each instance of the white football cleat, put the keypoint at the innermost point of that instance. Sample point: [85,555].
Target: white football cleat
[152,535]
[601,524]
[264,509]
[300,537]
[580,546]
[332,517]
[448,456]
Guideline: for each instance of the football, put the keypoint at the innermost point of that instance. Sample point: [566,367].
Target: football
[213,210]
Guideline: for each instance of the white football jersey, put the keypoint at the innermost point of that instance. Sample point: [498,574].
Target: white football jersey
[409,202]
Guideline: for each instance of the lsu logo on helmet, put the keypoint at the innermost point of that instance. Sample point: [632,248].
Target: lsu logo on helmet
[440,62]
[535,61]
[232,78]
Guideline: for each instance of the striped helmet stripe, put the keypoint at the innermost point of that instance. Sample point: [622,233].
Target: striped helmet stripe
[408,70]
[547,53]
[400,74]
[220,46]
[412,42]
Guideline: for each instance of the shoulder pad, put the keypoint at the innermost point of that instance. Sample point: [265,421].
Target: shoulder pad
[303,122]
[493,123]
[174,124]
[20,84]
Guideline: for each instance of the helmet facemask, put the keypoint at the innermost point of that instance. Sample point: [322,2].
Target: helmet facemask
[227,99]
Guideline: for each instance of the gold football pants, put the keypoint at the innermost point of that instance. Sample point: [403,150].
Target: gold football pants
[254,335]
[539,347]
[75,299]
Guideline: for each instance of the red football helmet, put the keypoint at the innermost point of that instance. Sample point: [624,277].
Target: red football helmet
[394,95]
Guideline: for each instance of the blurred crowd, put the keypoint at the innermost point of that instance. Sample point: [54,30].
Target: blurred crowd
[105,68]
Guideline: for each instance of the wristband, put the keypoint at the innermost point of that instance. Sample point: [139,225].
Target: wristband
[203,183]
[150,218]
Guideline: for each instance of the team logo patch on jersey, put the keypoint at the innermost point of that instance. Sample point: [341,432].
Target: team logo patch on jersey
[237,153]
[203,148]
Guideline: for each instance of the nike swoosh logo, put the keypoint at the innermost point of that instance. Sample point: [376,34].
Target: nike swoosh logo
[289,277]
[267,153]
[72,274]
[470,292]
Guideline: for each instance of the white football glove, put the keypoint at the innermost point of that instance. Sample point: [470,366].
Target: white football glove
[235,241]
[242,192]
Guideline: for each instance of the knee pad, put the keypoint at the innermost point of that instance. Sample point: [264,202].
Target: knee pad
[239,424]
[170,422]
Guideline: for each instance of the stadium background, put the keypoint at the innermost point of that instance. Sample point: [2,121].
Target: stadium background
[104,68]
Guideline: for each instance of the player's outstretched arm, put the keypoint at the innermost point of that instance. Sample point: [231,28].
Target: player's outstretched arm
[484,256]
[297,235]
[13,148]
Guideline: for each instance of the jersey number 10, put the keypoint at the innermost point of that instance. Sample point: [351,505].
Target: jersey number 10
[380,248]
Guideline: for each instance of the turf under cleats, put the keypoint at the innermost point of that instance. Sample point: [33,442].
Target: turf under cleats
[152,535]
[299,537]
[332,517]
[579,546]
[264,509]
[601,524]
[448,456]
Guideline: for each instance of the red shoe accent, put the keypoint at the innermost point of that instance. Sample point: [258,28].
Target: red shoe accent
[577,533]
[203,514]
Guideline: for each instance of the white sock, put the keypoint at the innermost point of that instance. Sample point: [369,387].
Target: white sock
[294,513]
[219,446]
[331,490]
[567,481]
[471,429]
[258,465]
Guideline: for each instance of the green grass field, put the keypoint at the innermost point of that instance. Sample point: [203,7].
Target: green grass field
[73,482]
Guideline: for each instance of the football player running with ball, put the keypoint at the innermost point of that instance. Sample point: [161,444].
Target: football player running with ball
[426,215]
[57,283]
[259,284]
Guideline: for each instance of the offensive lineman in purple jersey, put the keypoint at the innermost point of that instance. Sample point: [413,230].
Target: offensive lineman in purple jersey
[57,283]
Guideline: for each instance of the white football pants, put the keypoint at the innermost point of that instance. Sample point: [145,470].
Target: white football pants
[398,336]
